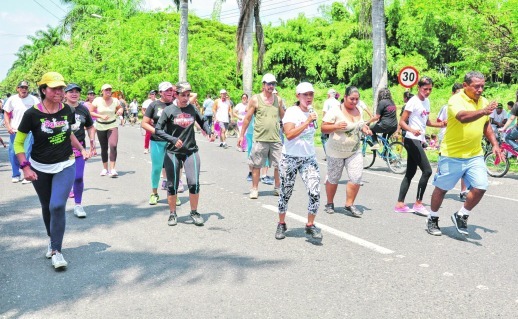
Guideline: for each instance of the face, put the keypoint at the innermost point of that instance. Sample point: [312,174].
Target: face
[23,91]
[73,95]
[107,93]
[475,88]
[182,99]
[499,110]
[425,90]
[223,96]
[244,99]
[91,96]
[151,96]
[55,95]
[352,100]
[167,95]
[269,86]
[306,98]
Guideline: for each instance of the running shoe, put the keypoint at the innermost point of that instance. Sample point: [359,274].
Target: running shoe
[461,223]
[254,193]
[180,187]
[71,194]
[79,211]
[354,211]
[249,177]
[104,172]
[404,209]
[25,181]
[432,226]
[266,180]
[463,195]
[153,199]
[48,254]
[313,231]
[329,208]
[420,210]
[196,218]
[178,201]
[58,261]
[16,179]
[220,144]
[164,184]
[146,151]
[173,219]
[281,230]
[276,191]
[113,173]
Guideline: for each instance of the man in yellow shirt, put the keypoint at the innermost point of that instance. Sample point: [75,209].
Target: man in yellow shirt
[461,151]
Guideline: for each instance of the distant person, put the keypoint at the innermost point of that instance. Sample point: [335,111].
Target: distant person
[208,103]
[329,103]
[134,108]
[151,97]
[498,117]
[512,136]
[240,112]
[222,110]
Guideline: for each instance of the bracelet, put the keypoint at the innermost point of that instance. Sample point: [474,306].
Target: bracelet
[24,164]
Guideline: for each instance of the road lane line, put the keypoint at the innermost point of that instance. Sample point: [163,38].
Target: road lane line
[338,233]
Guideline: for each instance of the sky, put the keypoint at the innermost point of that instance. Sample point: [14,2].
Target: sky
[20,18]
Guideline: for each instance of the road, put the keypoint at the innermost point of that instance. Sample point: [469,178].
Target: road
[124,261]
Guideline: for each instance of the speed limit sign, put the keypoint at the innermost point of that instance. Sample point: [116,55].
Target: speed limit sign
[408,76]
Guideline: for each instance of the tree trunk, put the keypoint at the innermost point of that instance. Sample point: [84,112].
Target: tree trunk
[248,59]
[183,41]
[379,53]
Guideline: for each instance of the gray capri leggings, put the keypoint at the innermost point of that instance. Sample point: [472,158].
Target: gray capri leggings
[173,163]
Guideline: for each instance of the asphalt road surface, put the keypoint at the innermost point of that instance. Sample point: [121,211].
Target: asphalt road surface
[126,262]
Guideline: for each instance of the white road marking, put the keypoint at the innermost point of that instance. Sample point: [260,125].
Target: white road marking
[338,233]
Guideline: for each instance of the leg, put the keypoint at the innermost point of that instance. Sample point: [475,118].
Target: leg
[15,165]
[172,168]
[288,173]
[354,167]
[79,180]
[310,175]
[192,172]
[335,168]
[43,187]
[157,162]
[113,139]
[411,169]
[512,137]
[61,184]
[437,198]
[102,136]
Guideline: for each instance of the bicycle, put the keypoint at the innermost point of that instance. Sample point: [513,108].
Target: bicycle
[393,153]
[494,165]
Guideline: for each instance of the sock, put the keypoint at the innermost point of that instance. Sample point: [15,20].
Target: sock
[172,212]
[463,211]
[433,214]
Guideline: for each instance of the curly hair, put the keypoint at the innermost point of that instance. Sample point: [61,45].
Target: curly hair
[384,94]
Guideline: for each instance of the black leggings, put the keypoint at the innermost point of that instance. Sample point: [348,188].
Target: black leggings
[385,133]
[173,163]
[108,138]
[416,158]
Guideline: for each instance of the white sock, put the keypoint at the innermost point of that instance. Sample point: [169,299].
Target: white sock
[463,211]
[433,214]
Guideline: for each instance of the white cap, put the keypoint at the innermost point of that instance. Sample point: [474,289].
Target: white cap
[304,87]
[105,86]
[164,86]
[331,91]
[268,78]
[223,91]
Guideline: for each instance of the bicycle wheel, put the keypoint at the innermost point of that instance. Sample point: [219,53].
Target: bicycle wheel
[397,157]
[493,169]
[369,156]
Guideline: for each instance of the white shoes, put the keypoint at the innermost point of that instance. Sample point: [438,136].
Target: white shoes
[58,261]
[49,251]
[24,181]
[104,172]
[16,179]
[79,211]
[113,173]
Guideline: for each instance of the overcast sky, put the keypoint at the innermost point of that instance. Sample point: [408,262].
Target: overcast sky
[20,18]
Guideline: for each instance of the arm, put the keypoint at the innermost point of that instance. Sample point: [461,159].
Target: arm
[471,116]
[91,135]
[507,124]
[490,135]
[160,126]
[215,107]
[7,121]
[93,112]
[292,132]
[248,117]
[19,150]
[204,124]
[77,145]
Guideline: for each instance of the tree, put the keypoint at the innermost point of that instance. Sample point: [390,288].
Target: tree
[379,45]
[183,38]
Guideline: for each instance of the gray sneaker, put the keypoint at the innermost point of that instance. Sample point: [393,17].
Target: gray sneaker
[432,226]
[196,218]
[173,219]
[49,251]
[281,230]
[329,208]
[254,193]
[58,261]
[79,211]
[354,211]
[461,223]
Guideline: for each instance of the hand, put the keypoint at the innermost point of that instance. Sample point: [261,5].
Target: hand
[85,153]
[178,144]
[11,130]
[501,130]
[120,111]
[212,137]
[490,108]
[239,141]
[105,117]
[417,132]
[341,125]
[312,117]
[29,174]
[93,151]
[498,153]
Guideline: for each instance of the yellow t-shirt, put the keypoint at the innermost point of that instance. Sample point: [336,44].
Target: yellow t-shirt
[103,109]
[463,140]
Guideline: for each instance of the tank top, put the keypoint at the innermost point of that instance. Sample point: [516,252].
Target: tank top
[267,121]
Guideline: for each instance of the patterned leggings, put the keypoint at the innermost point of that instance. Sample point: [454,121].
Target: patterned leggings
[310,174]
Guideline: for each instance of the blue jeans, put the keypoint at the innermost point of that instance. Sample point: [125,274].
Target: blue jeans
[512,137]
[27,145]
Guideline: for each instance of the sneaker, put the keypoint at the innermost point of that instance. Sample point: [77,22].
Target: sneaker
[164,184]
[113,173]
[404,209]
[71,194]
[153,199]
[225,146]
[178,201]
[375,147]
[173,219]
[432,226]
[354,211]
[220,144]
[249,177]
[276,191]
[58,261]
[313,231]
[463,195]
[180,187]
[48,254]
[104,172]
[281,229]
[25,181]
[329,208]
[420,210]
[266,180]
[196,218]
[254,193]
[146,151]
[16,179]
[461,223]
[79,211]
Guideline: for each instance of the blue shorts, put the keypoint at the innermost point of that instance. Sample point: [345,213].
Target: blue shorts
[451,170]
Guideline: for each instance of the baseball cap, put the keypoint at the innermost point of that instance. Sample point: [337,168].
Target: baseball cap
[331,92]
[223,91]
[72,86]
[152,92]
[164,86]
[499,106]
[268,77]
[183,87]
[304,87]
[23,83]
[105,87]
[52,80]
[91,92]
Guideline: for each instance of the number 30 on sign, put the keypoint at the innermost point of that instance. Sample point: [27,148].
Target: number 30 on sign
[408,76]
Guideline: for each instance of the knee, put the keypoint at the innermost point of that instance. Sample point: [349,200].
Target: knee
[427,172]
[194,189]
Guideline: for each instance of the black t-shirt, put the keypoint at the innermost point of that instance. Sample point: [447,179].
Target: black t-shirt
[178,123]
[154,111]
[51,134]
[387,111]
[83,120]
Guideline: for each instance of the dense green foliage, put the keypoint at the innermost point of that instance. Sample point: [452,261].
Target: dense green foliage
[135,50]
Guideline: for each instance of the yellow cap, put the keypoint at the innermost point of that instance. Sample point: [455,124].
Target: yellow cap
[52,79]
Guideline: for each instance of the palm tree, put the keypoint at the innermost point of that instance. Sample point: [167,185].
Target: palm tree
[244,46]
[216,11]
[183,38]
[379,43]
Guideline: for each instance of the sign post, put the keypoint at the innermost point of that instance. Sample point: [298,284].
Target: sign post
[408,76]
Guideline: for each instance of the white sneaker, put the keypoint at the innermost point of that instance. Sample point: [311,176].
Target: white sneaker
[254,193]
[15,179]
[79,211]
[113,173]
[104,172]
[24,181]
[49,251]
[58,261]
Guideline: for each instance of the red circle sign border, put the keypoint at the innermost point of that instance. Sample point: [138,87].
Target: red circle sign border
[416,76]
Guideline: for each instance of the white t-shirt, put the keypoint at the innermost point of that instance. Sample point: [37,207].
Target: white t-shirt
[342,143]
[146,104]
[133,107]
[222,111]
[442,117]
[420,110]
[240,108]
[17,106]
[498,117]
[302,145]
[329,103]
